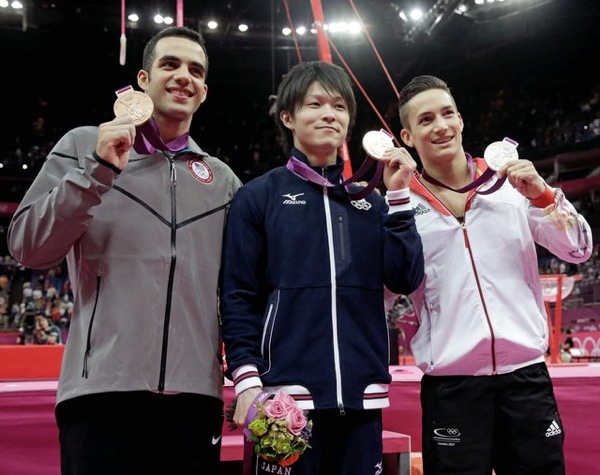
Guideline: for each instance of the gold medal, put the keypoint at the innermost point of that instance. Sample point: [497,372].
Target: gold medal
[135,104]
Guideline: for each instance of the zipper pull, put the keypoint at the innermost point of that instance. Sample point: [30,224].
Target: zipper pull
[173,172]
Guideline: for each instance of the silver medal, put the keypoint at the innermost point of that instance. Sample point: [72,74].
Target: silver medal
[498,153]
[376,142]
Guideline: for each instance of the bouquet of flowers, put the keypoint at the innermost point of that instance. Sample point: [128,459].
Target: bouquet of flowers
[279,431]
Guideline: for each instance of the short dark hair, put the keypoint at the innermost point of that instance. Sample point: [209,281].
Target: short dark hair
[416,86]
[295,84]
[172,31]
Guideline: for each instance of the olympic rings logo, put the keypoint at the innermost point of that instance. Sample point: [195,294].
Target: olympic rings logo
[361,204]
[589,344]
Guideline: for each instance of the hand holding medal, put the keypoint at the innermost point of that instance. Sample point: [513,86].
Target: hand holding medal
[116,137]
[139,107]
[399,165]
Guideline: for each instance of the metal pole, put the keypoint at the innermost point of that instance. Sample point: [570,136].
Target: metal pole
[325,55]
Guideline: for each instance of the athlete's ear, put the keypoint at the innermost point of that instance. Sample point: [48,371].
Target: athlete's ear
[406,137]
[143,79]
[285,117]
[204,93]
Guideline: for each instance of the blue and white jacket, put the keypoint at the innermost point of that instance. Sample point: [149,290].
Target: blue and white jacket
[302,294]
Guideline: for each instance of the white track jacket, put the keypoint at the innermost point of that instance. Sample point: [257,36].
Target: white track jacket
[480,305]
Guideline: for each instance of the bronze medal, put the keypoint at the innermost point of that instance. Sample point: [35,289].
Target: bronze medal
[135,104]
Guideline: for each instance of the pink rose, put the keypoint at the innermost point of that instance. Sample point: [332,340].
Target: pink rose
[285,399]
[275,409]
[296,420]
[278,406]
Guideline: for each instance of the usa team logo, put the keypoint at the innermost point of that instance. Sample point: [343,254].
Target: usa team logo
[201,171]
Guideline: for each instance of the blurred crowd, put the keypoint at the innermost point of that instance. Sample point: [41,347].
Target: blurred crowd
[36,304]
[547,117]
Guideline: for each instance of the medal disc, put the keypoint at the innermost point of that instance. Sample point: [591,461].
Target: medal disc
[135,104]
[498,153]
[376,142]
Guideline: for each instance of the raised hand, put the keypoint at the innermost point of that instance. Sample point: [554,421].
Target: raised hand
[399,168]
[115,139]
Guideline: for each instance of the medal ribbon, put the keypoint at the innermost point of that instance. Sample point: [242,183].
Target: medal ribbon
[485,176]
[304,171]
[147,140]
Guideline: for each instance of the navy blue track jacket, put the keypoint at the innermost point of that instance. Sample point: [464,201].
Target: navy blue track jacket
[304,268]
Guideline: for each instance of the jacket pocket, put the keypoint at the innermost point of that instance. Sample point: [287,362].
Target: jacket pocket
[268,324]
[88,340]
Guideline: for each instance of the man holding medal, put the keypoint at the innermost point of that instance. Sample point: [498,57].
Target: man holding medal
[305,262]
[486,394]
[138,210]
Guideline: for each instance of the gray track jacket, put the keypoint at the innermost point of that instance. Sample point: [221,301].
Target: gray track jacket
[143,249]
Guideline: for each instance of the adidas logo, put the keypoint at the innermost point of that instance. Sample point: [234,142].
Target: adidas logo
[554,429]
[421,209]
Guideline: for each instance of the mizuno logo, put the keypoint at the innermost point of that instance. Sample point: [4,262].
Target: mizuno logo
[293,199]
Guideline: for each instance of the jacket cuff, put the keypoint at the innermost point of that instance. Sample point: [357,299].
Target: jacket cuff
[398,200]
[101,161]
[546,199]
[246,377]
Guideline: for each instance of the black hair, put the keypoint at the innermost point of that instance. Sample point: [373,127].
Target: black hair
[172,31]
[416,86]
[295,84]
